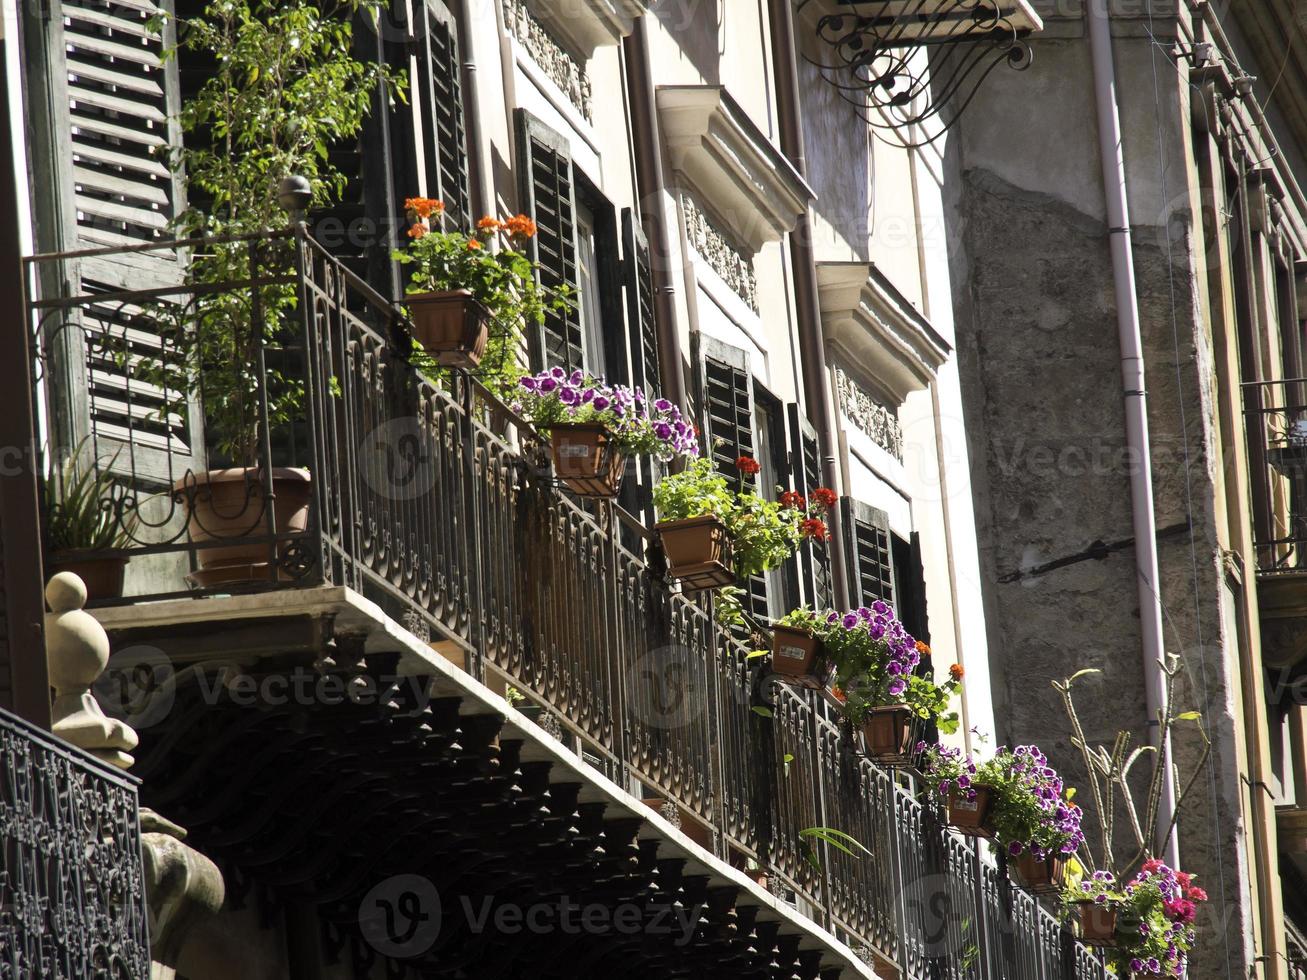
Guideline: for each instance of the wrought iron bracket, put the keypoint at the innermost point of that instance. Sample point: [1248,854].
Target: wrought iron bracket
[913,66]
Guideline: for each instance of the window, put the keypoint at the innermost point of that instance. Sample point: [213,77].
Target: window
[591,292]
[816,587]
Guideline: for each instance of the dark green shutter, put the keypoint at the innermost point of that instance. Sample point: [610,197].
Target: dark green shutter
[726,410]
[439,90]
[641,329]
[805,477]
[545,170]
[867,548]
[910,585]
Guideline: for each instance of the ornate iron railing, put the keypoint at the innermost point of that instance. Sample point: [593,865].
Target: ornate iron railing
[430,497]
[1275,423]
[72,887]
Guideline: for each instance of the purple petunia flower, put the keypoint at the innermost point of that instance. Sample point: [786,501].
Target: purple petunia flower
[662,430]
[569,396]
[897,687]
[600,403]
[662,405]
[548,384]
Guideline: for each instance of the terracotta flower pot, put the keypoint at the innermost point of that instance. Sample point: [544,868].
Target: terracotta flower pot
[1098,924]
[1041,877]
[230,504]
[889,735]
[798,657]
[970,817]
[451,326]
[698,552]
[103,576]
[585,460]
[681,820]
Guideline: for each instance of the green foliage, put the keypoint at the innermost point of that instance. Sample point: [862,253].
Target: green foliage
[284,88]
[85,507]
[764,533]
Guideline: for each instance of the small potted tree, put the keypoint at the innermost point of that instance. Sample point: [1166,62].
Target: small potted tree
[469,294]
[713,533]
[593,427]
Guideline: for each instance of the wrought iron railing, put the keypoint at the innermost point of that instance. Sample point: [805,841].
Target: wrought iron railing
[432,498]
[72,887]
[1275,422]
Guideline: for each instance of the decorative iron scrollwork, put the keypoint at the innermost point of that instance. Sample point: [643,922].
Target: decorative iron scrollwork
[909,63]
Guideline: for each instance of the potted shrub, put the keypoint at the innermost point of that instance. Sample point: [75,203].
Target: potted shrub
[265,112]
[713,533]
[87,511]
[593,427]
[954,779]
[877,670]
[469,294]
[798,654]
[1147,924]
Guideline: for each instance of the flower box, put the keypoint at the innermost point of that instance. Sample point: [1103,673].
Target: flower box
[103,577]
[451,325]
[889,736]
[1098,924]
[970,817]
[698,552]
[799,658]
[1041,877]
[584,459]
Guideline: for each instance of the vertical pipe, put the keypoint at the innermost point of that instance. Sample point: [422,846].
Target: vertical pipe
[816,386]
[651,187]
[1136,404]
[482,198]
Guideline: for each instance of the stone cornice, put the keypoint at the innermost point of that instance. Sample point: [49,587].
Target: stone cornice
[754,191]
[589,24]
[875,333]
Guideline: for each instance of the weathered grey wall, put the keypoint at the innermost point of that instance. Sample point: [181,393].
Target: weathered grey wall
[1039,355]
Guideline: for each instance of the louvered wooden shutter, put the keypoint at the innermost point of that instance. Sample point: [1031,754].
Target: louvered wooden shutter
[641,329]
[868,551]
[805,477]
[545,169]
[910,585]
[439,90]
[122,105]
[726,410]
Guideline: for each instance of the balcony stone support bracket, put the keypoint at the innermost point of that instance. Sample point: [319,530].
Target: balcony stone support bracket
[875,334]
[182,885]
[589,24]
[754,191]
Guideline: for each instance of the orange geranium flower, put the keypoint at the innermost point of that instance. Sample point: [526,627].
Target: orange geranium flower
[418,230]
[956,672]
[424,207]
[473,245]
[923,649]
[489,224]
[520,225]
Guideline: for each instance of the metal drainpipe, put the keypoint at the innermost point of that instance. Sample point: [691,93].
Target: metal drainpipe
[1136,401]
[482,200]
[816,380]
[651,187]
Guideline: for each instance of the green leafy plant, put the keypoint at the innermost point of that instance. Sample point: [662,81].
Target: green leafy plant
[284,88]
[764,533]
[87,509]
[490,263]
[844,843]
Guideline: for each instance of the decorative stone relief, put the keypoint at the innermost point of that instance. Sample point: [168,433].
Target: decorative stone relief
[879,423]
[559,66]
[731,264]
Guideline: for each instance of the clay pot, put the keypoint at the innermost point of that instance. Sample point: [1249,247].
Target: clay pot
[230,504]
[1046,877]
[103,576]
[681,820]
[698,552]
[451,326]
[1097,924]
[585,460]
[798,657]
[970,817]
[889,735]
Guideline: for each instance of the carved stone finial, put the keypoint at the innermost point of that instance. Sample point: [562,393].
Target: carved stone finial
[77,650]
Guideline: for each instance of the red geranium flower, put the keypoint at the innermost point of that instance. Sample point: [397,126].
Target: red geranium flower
[793,499]
[825,497]
[747,465]
[815,527]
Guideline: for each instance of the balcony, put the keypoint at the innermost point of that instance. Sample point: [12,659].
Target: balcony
[504,694]
[1275,418]
[72,885]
